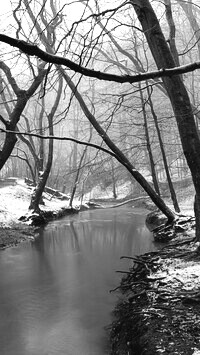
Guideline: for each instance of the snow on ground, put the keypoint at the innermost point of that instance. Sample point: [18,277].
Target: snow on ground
[15,200]
[14,203]
[178,272]
[180,280]
[122,189]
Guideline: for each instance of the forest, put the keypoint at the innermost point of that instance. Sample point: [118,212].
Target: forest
[98,93]
[100,97]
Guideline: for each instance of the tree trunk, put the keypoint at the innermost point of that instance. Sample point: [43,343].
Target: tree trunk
[75,183]
[113,180]
[42,179]
[119,154]
[172,32]
[79,169]
[171,187]
[176,91]
[22,99]
[197,214]
[37,194]
[148,143]
[41,141]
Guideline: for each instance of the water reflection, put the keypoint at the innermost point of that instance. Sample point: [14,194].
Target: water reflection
[55,292]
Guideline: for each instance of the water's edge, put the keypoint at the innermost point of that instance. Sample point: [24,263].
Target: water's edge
[55,291]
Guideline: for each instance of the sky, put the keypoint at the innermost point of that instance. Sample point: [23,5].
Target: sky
[5,7]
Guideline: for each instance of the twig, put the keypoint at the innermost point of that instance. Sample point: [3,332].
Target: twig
[136,260]
[126,272]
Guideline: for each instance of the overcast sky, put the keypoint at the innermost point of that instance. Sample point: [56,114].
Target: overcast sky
[5,6]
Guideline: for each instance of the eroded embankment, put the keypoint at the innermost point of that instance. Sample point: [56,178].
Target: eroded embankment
[159,311]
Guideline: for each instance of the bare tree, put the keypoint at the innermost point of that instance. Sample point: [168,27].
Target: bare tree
[15,112]
[177,93]
[167,70]
[169,180]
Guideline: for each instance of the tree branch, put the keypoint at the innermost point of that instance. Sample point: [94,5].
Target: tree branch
[2,119]
[10,78]
[93,145]
[34,50]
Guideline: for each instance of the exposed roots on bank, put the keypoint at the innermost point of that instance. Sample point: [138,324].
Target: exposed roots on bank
[159,311]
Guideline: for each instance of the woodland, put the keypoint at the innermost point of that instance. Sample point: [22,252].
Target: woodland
[100,92]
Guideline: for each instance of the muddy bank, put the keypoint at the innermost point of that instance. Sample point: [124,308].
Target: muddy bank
[159,311]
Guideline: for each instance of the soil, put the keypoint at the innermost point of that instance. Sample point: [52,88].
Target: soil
[159,310]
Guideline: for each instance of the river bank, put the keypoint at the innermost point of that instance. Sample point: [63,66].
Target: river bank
[159,311]
[17,222]
[58,286]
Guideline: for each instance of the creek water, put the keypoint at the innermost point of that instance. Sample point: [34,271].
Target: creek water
[54,292]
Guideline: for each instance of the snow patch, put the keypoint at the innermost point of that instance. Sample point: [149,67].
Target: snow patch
[15,201]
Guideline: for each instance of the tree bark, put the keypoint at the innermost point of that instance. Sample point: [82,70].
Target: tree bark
[75,182]
[22,98]
[169,180]
[176,91]
[148,144]
[119,154]
[43,176]
[172,32]
[113,180]
[37,194]
[41,141]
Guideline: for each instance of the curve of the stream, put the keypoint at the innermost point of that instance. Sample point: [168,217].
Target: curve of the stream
[54,292]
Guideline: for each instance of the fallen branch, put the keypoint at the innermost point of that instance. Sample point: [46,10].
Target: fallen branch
[130,200]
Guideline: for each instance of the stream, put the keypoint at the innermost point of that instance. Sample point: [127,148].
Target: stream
[54,292]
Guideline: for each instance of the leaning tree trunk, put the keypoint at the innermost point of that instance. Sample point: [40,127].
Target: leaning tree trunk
[169,180]
[176,91]
[42,179]
[75,183]
[119,155]
[37,194]
[114,190]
